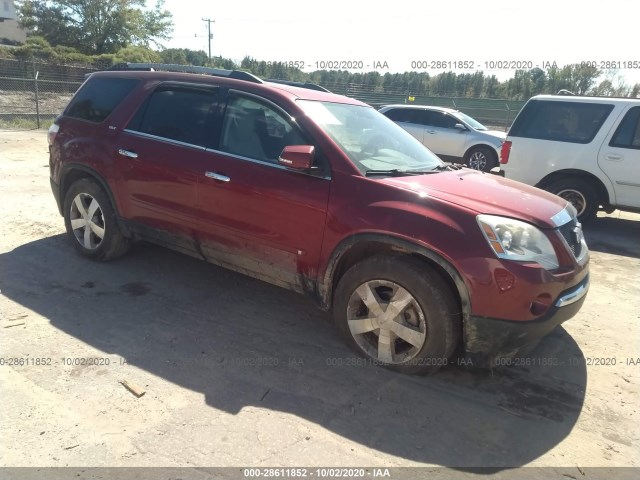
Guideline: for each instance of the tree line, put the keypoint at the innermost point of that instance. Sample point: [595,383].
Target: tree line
[100,33]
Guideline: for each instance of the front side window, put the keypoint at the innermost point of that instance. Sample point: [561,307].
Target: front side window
[255,130]
[444,120]
[472,122]
[404,115]
[561,121]
[628,133]
[370,140]
[176,113]
[98,97]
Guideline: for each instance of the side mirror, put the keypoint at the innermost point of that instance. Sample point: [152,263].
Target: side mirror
[298,157]
[460,126]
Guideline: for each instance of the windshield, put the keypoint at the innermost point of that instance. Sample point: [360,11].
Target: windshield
[369,139]
[470,121]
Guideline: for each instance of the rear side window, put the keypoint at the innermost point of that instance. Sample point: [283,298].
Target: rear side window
[99,97]
[176,113]
[560,121]
[628,133]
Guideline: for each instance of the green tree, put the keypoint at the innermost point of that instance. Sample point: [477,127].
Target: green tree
[136,54]
[174,56]
[96,26]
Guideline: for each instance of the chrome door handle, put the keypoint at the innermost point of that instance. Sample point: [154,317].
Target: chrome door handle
[127,153]
[612,157]
[217,176]
[431,131]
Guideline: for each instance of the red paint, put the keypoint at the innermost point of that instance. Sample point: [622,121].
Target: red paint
[292,222]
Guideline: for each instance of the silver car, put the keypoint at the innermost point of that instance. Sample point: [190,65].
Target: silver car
[450,134]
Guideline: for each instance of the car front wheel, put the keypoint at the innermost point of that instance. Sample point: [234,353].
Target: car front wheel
[398,313]
[91,222]
[482,158]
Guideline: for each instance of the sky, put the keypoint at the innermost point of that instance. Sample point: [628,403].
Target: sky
[389,36]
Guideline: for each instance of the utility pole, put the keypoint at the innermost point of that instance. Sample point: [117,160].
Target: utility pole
[209,22]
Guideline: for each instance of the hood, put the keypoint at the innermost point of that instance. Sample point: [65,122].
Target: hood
[485,194]
[495,133]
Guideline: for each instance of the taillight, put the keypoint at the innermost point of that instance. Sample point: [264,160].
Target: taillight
[53,131]
[505,152]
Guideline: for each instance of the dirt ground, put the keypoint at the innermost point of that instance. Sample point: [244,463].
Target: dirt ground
[241,373]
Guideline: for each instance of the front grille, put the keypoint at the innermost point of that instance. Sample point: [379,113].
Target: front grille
[573,236]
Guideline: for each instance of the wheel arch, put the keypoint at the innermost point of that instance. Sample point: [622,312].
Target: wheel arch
[488,146]
[605,197]
[361,246]
[72,172]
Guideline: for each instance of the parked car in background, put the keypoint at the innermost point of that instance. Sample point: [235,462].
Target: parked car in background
[450,134]
[323,195]
[584,149]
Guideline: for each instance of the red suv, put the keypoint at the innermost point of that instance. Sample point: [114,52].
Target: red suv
[320,194]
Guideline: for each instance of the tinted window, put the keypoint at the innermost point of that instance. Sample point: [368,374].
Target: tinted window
[426,117]
[444,120]
[176,113]
[255,130]
[560,121]
[98,97]
[406,115]
[434,118]
[628,133]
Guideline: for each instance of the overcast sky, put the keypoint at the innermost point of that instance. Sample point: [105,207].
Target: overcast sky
[403,31]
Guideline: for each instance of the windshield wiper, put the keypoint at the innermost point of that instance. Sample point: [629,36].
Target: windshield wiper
[397,172]
[448,166]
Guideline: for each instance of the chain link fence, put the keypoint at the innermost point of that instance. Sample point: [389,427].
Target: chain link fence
[33,93]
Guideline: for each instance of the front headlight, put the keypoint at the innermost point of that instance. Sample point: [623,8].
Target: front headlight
[519,241]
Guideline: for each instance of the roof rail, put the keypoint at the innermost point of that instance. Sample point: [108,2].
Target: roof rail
[168,67]
[310,86]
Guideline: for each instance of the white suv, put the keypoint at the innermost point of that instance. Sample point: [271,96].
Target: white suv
[584,149]
[450,134]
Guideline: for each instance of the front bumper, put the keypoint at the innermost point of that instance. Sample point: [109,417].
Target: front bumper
[490,341]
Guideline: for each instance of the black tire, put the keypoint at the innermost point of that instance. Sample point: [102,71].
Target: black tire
[481,158]
[113,243]
[580,193]
[441,317]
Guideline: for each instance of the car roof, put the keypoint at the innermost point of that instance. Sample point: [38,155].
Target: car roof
[422,107]
[584,98]
[291,91]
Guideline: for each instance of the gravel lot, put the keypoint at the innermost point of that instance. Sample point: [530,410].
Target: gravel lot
[241,373]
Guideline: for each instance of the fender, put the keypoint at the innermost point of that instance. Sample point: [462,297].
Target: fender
[88,171]
[325,284]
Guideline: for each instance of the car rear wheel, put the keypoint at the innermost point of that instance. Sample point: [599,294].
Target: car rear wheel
[398,313]
[91,222]
[481,158]
[580,193]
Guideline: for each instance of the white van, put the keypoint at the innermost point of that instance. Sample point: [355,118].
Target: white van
[584,149]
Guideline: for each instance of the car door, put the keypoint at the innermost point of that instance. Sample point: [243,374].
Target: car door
[159,158]
[442,136]
[619,158]
[255,215]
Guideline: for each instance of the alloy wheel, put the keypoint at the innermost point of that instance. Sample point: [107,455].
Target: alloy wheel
[386,321]
[87,221]
[478,160]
